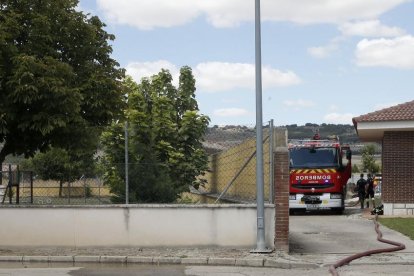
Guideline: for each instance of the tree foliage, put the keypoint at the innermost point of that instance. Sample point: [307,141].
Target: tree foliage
[56,76]
[355,168]
[165,140]
[368,159]
[57,164]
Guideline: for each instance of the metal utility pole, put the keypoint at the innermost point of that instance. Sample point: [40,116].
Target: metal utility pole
[126,165]
[261,244]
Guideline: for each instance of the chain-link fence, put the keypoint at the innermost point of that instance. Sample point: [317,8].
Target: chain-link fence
[232,166]
[21,187]
[230,177]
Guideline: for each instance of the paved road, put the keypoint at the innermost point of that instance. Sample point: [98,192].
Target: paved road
[324,233]
[179,270]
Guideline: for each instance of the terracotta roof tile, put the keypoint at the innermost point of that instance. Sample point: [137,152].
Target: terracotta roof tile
[401,112]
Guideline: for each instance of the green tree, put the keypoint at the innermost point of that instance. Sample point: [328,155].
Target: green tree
[368,159]
[55,164]
[165,140]
[355,168]
[57,79]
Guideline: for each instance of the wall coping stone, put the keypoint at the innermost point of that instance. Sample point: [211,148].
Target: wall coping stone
[139,206]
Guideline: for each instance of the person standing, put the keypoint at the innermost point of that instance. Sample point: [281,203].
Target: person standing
[361,188]
[370,191]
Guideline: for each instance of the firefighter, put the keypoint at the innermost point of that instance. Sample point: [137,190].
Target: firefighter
[361,188]
[370,190]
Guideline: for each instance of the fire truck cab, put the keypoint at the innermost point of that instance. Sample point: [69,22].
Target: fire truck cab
[319,171]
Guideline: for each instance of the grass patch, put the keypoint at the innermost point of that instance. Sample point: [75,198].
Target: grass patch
[402,225]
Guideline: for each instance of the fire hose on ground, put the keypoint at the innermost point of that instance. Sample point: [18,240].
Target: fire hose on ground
[345,261]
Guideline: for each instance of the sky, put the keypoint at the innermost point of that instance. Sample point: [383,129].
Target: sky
[323,61]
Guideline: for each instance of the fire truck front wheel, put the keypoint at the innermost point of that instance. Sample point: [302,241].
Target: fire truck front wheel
[293,211]
[338,211]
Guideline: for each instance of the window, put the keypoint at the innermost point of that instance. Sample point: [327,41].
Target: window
[313,157]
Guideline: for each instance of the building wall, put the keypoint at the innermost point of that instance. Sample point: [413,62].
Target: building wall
[135,226]
[398,172]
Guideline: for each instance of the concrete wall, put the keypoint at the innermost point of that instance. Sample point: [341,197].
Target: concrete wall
[398,209]
[135,225]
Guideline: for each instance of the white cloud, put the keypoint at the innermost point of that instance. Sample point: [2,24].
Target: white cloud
[366,28]
[148,14]
[221,76]
[337,118]
[370,28]
[327,50]
[217,76]
[321,51]
[397,52]
[326,11]
[80,8]
[231,112]
[139,70]
[298,104]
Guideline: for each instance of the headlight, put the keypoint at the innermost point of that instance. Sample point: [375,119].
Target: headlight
[292,197]
[336,196]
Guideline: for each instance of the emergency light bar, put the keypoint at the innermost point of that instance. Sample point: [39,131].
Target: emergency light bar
[312,143]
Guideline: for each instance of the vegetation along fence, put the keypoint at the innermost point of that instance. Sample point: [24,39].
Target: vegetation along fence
[20,187]
[230,177]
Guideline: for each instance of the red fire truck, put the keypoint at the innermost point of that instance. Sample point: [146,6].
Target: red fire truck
[319,171]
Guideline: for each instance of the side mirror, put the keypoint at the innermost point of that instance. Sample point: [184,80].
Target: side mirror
[348,154]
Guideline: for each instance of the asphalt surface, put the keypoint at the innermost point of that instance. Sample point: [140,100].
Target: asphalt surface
[180,270]
[353,232]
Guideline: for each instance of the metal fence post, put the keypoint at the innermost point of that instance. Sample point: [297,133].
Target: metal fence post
[126,165]
[99,191]
[69,187]
[31,187]
[10,184]
[84,189]
[17,183]
[271,163]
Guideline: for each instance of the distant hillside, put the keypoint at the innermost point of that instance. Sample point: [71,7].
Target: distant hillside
[219,138]
[346,133]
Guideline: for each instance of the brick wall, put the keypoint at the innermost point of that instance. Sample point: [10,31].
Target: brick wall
[281,199]
[398,167]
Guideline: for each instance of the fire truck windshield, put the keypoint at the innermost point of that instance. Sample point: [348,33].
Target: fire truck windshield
[302,157]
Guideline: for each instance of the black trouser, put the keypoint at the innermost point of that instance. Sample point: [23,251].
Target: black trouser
[370,195]
[361,196]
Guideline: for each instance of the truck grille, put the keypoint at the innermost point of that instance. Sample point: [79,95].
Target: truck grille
[313,186]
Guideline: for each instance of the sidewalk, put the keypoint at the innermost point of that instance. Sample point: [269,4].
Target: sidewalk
[190,256]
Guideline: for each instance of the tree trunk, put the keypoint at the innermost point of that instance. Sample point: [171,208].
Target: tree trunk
[3,153]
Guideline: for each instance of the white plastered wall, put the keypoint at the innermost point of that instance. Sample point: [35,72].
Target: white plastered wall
[135,225]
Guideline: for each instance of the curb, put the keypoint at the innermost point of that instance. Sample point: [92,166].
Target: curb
[211,261]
